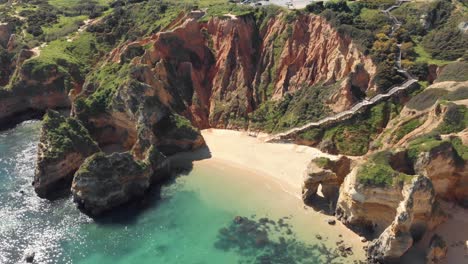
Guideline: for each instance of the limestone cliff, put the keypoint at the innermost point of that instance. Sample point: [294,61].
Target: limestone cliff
[397,238]
[447,171]
[64,145]
[329,174]
[367,208]
[106,181]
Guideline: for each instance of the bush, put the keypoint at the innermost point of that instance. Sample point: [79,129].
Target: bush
[455,119]
[315,7]
[456,71]
[407,128]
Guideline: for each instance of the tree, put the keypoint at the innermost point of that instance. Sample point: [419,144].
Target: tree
[338,6]
[315,7]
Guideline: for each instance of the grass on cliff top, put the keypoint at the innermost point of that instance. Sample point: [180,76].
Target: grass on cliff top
[65,26]
[424,56]
[74,3]
[461,149]
[377,172]
[423,144]
[70,58]
[64,135]
[455,119]
[107,79]
[428,142]
[322,162]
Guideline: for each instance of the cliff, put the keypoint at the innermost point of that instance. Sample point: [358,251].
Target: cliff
[64,145]
[227,67]
[106,181]
[397,238]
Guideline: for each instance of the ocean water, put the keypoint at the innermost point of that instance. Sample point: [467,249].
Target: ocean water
[213,214]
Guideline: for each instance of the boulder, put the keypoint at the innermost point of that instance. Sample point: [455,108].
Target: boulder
[104,182]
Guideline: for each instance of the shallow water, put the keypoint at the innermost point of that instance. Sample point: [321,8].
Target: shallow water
[215,214]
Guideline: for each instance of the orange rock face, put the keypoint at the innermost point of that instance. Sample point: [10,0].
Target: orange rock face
[226,67]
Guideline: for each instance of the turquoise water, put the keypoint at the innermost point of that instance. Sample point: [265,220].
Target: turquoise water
[214,214]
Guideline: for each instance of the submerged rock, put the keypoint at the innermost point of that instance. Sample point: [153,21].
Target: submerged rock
[29,257]
[107,181]
[64,144]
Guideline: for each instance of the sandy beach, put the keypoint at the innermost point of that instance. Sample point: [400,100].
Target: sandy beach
[279,166]
[285,163]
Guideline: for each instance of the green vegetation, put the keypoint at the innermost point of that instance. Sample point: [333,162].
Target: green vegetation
[63,27]
[70,60]
[65,135]
[177,127]
[378,172]
[429,97]
[407,128]
[353,136]
[108,79]
[461,149]
[424,56]
[428,142]
[423,144]
[47,20]
[455,119]
[456,71]
[296,109]
[322,162]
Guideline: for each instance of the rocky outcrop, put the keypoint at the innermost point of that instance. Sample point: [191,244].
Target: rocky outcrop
[447,171]
[64,145]
[33,89]
[437,250]
[327,173]
[366,207]
[418,196]
[104,181]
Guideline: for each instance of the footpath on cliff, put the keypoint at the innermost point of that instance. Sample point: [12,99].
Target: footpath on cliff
[366,102]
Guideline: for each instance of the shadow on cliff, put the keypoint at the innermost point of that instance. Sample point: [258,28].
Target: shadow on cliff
[181,164]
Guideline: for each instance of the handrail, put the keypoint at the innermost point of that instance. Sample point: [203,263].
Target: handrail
[366,102]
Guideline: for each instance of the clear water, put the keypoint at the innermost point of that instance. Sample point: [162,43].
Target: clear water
[190,220]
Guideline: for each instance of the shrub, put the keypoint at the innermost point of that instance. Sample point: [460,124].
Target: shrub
[456,71]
